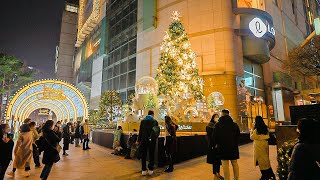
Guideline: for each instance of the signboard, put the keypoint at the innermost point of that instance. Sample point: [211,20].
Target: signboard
[260,28]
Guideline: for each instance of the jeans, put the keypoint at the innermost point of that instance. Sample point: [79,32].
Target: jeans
[46,171]
[146,147]
[215,168]
[226,171]
[86,142]
[3,169]
[35,152]
[77,140]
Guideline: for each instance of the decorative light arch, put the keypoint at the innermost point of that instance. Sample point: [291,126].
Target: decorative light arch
[64,99]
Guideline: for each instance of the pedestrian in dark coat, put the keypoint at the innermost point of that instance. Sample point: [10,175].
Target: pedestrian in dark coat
[51,154]
[226,137]
[66,138]
[77,134]
[212,157]
[147,142]
[170,142]
[305,158]
[6,147]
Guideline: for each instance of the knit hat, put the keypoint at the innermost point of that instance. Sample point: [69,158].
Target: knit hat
[24,128]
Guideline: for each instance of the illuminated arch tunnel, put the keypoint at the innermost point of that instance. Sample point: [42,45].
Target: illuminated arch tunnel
[63,99]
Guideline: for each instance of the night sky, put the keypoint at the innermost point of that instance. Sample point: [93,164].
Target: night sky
[29,30]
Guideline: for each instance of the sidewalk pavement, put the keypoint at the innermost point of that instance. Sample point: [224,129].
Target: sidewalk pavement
[98,163]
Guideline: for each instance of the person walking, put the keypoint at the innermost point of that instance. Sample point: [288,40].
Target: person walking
[51,154]
[6,146]
[117,141]
[305,158]
[212,157]
[77,134]
[226,137]
[170,142]
[66,138]
[260,136]
[85,135]
[23,151]
[35,150]
[147,140]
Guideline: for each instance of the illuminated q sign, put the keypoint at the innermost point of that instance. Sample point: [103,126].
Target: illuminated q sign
[259,28]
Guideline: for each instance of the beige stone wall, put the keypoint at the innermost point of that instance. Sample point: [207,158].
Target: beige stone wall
[209,24]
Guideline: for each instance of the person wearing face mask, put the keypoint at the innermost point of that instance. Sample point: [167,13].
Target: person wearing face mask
[6,146]
[211,154]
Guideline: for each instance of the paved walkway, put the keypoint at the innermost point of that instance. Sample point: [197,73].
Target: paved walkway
[98,163]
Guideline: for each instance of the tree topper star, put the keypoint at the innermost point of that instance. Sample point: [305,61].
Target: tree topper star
[175,16]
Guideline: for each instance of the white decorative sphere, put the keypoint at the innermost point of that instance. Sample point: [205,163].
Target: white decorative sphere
[146,85]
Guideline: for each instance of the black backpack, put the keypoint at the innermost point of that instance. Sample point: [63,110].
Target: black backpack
[155,133]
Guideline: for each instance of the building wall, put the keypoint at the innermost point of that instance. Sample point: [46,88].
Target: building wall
[209,25]
[66,46]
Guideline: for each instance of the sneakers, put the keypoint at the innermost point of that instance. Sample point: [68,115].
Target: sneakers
[150,172]
[26,174]
[147,172]
[144,173]
[65,154]
[38,166]
[11,173]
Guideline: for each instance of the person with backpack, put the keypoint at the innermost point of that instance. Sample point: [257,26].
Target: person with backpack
[148,134]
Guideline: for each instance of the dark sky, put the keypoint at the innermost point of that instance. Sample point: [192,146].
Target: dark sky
[29,30]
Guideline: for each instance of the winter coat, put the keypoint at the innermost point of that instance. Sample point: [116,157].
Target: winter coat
[50,154]
[117,138]
[211,152]
[145,129]
[171,139]
[226,137]
[260,149]
[23,150]
[66,135]
[6,151]
[77,133]
[305,162]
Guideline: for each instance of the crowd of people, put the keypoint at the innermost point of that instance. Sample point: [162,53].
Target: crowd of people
[223,146]
[223,138]
[33,140]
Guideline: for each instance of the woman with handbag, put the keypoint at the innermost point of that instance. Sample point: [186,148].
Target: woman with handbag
[51,148]
[170,142]
[212,157]
[6,146]
[23,151]
[260,136]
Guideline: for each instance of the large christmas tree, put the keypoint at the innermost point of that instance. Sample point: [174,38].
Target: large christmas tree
[177,73]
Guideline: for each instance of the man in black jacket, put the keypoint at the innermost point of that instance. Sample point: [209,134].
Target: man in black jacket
[147,141]
[226,135]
